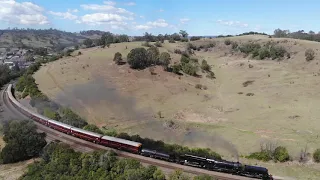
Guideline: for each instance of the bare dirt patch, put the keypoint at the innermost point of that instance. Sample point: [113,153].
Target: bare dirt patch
[14,171]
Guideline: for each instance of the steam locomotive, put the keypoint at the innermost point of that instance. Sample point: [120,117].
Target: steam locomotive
[137,148]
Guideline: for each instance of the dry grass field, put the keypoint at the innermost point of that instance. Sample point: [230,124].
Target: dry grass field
[284,108]
[14,171]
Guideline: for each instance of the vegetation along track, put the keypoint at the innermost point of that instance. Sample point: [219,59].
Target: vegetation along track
[85,146]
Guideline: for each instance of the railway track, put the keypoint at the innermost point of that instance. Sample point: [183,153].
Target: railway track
[85,146]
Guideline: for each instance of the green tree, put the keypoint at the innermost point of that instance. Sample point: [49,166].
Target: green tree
[153,55]
[158,175]
[117,58]
[183,33]
[51,114]
[92,128]
[22,141]
[281,154]
[165,60]
[88,42]
[69,117]
[137,58]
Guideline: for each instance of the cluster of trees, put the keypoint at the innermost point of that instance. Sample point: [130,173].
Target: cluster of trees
[258,51]
[22,141]
[92,32]
[301,34]
[61,162]
[269,152]
[148,37]
[106,39]
[6,75]
[243,34]
[140,58]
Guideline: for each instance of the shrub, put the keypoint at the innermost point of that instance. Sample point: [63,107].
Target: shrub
[177,51]
[176,68]
[189,69]
[184,40]
[117,58]
[158,44]
[248,48]
[262,156]
[153,55]
[194,38]
[165,60]
[309,54]
[227,42]
[211,75]
[205,66]
[234,45]
[198,86]
[264,53]
[172,41]
[79,53]
[184,59]
[281,154]
[137,58]
[316,155]
[245,84]
[277,52]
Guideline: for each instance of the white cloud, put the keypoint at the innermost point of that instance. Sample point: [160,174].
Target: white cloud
[111,3]
[184,20]
[64,15]
[105,8]
[73,10]
[161,10]
[130,4]
[102,18]
[25,13]
[232,23]
[160,23]
[141,17]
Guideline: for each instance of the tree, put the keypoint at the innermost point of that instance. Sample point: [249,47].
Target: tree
[117,58]
[158,175]
[88,42]
[137,58]
[281,154]
[165,60]
[178,175]
[183,33]
[22,141]
[153,55]
[92,128]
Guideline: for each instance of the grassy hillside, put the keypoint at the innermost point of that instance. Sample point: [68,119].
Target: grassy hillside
[250,102]
[51,38]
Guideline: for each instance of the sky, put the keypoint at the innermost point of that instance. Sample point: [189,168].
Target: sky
[134,17]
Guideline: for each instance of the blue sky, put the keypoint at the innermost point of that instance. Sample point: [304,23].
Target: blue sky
[134,17]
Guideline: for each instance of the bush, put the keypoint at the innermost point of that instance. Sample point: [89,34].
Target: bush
[176,68]
[262,156]
[198,86]
[177,51]
[79,53]
[227,42]
[264,53]
[158,44]
[190,69]
[153,56]
[277,52]
[248,48]
[281,154]
[211,75]
[184,59]
[165,60]
[117,58]
[137,58]
[316,155]
[172,41]
[234,45]
[194,38]
[205,66]
[309,54]
[92,128]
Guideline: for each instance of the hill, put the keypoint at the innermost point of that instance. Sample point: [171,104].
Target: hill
[250,102]
[51,38]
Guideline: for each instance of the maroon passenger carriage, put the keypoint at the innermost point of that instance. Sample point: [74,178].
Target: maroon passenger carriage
[113,142]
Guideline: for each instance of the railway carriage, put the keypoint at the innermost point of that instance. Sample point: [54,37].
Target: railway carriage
[121,144]
[156,154]
[59,126]
[86,135]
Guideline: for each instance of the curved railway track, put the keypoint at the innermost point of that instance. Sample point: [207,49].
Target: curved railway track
[85,146]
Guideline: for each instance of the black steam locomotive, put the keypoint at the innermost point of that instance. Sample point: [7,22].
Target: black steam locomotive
[235,168]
